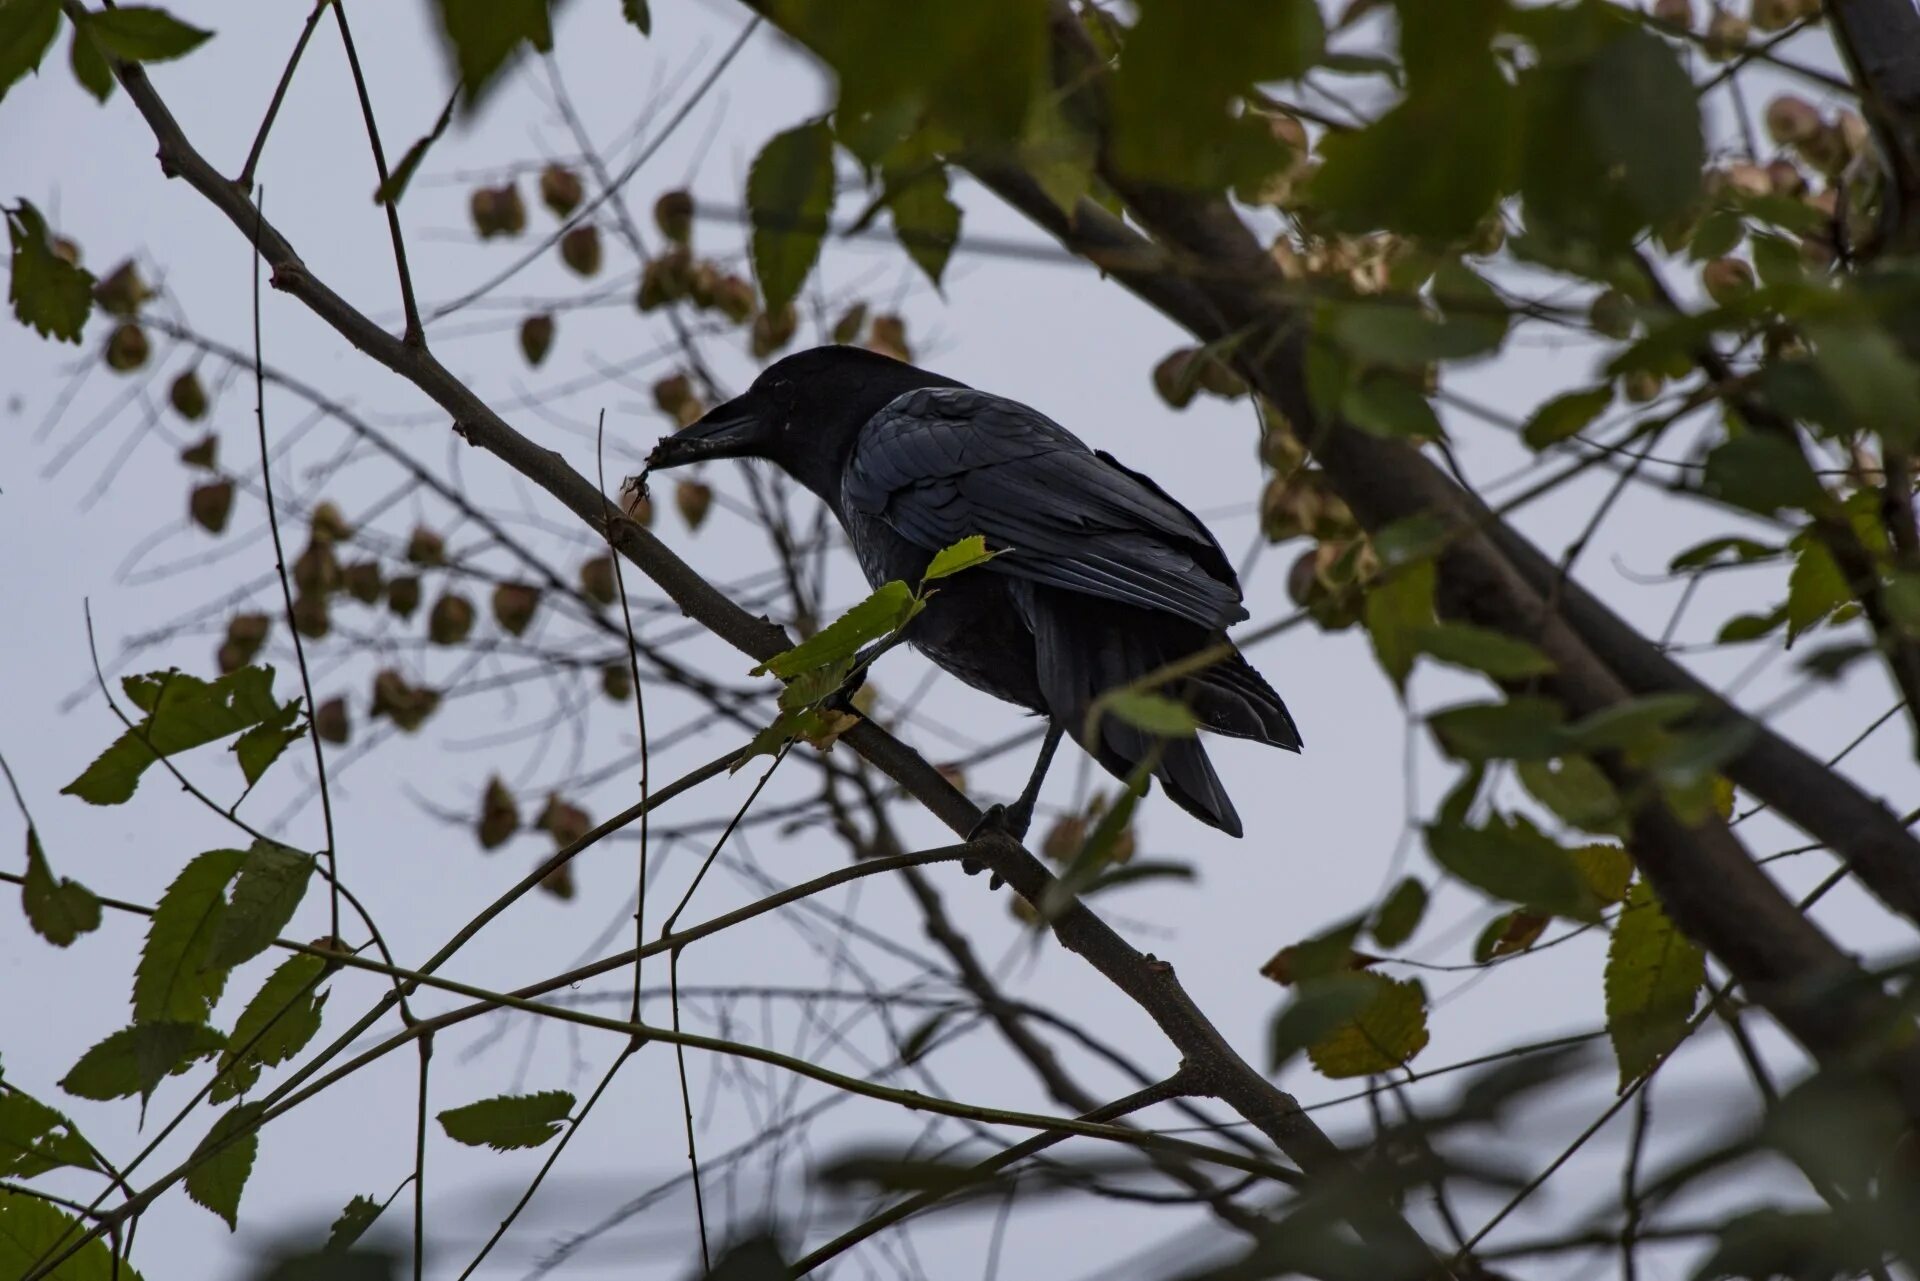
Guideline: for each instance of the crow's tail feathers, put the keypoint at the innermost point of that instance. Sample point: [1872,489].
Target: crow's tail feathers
[1082,654]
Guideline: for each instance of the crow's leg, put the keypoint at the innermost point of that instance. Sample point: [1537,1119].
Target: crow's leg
[1014,820]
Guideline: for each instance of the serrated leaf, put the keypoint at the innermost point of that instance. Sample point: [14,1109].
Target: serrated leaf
[183,712]
[926,222]
[35,1138]
[1509,935]
[1389,405]
[353,1223]
[1762,474]
[1399,916]
[509,1120]
[1398,612]
[889,607]
[1566,416]
[965,554]
[176,979]
[136,1059]
[276,1025]
[1607,870]
[1653,981]
[217,1181]
[273,880]
[485,35]
[1154,713]
[1317,1010]
[1480,650]
[789,193]
[26,32]
[1384,1033]
[1815,588]
[49,294]
[1643,115]
[32,1230]
[1510,859]
[141,33]
[1577,793]
[260,747]
[1519,729]
[59,911]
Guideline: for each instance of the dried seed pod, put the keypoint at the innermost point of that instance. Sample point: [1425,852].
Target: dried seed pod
[560,190]
[954,773]
[889,337]
[1727,36]
[673,214]
[202,453]
[1785,179]
[210,505]
[1641,386]
[733,296]
[772,331]
[330,721]
[1678,13]
[426,547]
[229,658]
[328,525]
[498,211]
[559,882]
[1173,380]
[1826,151]
[852,321]
[536,338]
[127,348]
[405,704]
[671,395]
[1775,15]
[499,815]
[451,619]
[1612,315]
[122,292]
[564,821]
[514,605]
[665,279]
[1064,839]
[580,249]
[247,633]
[703,283]
[310,616]
[1792,120]
[1727,279]
[1218,379]
[693,498]
[1746,179]
[65,250]
[316,570]
[403,595]
[188,397]
[362,580]
[597,580]
[616,680]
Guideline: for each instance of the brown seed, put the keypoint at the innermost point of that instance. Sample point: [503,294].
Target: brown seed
[1727,279]
[771,332]
[1678,13]
[559,882]
[889,337]
[328,525]
[202,453]
[703,283]
[362,580]
[1064,839]
[451,619]
[247,633]
[1303,579]
[1726,35]
[665,279]
[310,616]
[499,815]
[403,595]
[1747,180]
[693,498]
[1825,151]
[426,547]
[673,214]
[564,821]
[1641,385]
[536,338]
[330,721]
[616,680]
[560,190]
[580,249]
[122,292]
[1792,120]
[407,705]
[514,605]
[597,580]
[672,393]
[1785,179]
[65,250]
[1612,315]
[735,299]
[316,570]
[188,397]
[1775,15]
[1175,379]
[229,658]
[210,505]
[498,211]
[852,320]
[127,348]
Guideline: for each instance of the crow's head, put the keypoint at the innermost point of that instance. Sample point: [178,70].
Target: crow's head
[801,413]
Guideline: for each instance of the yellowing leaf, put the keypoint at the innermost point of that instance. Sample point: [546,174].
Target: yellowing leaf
[1653,980]
[965,554]
[1510,859]
[1381,1035]
[1606,869]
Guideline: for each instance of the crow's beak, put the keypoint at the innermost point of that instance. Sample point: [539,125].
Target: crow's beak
[732,430]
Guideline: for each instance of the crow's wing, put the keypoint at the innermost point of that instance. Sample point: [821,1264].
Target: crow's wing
[940,464]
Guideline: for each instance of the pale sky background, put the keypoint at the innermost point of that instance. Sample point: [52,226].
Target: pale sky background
[1325,830]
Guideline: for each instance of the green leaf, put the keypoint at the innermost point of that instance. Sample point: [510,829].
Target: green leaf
[926,222]
[1509,859]
[1772,1242]
[1566,416]
[136,1059]
[59,911]
[35,1138]
[89,63]
[353,1223]
[1762,474]
[139,33]
[1722,551]
[1154,713]
[183,712]
[889,608]
[1478,649]
[1400,915]
[1815,588]
[401,175]
[1871,377]
[273,880]
[485,34]
[1095,853]
[1577,793]
[1318,1009]
[789,194]
[31,1230]
[1751,627]
[1383,1034]
[965,554]
[637,12]
[218,1180]
[1399,611]
[1387,404]
[49,294]
[26,32]
[1518,729]
[1634,724]
[1643,116]
[509,1120]
[1401,334]
[914,1045]
[276,1025]
[177,978]
[1140,869]
[1607,869]
[261,746]
[1654,978]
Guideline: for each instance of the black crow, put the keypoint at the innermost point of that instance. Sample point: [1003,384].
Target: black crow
[1103,579]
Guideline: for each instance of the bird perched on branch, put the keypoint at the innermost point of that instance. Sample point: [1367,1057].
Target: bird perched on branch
[1102,580]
